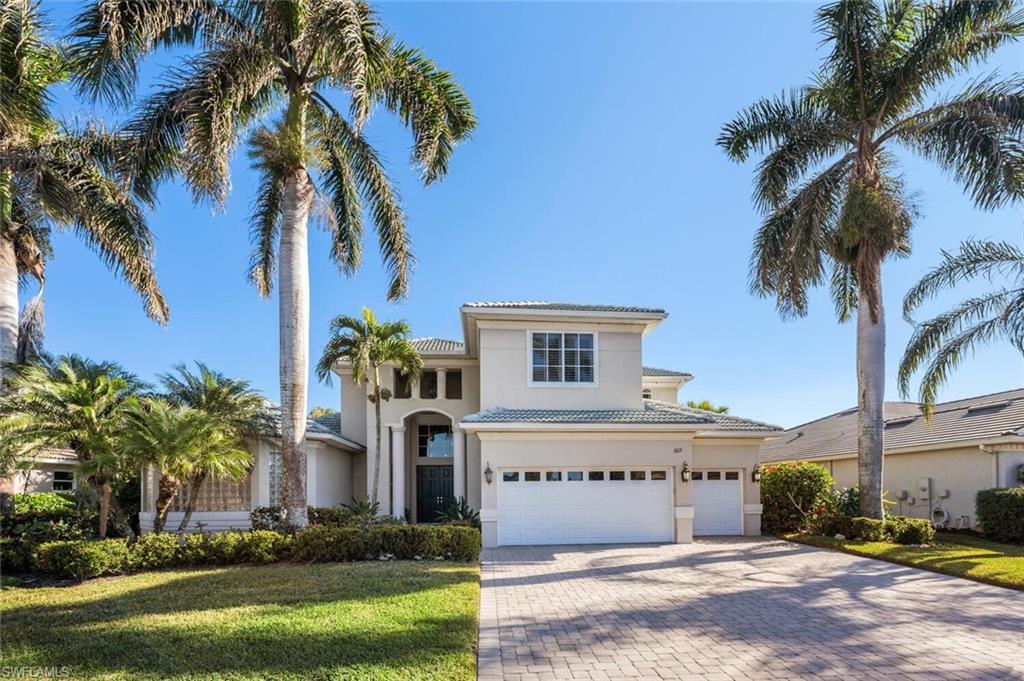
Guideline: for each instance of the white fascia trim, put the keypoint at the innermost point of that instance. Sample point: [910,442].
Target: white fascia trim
[575,427]
[345,444]
[533,312]
[752,434]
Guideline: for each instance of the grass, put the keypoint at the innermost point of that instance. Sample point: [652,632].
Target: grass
[400,620]
[951,554]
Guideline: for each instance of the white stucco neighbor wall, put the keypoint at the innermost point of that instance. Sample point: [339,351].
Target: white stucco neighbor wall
[39,478]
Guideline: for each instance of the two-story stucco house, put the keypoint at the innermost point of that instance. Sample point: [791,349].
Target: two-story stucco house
[544,418]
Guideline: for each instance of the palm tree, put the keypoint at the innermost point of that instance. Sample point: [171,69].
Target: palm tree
[75,403]
[269,71]
[368,345]
[943,341]
[53,176]
[222,457]
[237,412]
[834,204]
[706,405]
[172,439]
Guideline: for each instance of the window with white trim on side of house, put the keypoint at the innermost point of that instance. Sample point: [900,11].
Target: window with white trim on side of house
[558,358]
[63,481]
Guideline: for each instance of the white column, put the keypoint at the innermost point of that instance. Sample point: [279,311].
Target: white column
[442,386]
[398,471]
[459,461]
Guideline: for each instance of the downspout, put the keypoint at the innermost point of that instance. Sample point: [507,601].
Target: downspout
[995,463]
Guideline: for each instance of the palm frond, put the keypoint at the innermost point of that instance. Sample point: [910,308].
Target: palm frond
[975,259]
[265,218]
[848,80]
[28,66]
[31,329]
[342,35]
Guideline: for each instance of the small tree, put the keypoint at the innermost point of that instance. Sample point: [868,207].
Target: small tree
[368,345]
[75,403]
[224,457]
[705,405]
[172,438]
[790,492]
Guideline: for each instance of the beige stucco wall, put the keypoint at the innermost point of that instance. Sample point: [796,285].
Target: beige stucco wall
[603,449]
[333,482]
[505,359]
[670,395]
[39,478]
[961,471]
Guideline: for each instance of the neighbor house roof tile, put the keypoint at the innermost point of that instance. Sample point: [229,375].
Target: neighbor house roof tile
[567,307]
[438,346]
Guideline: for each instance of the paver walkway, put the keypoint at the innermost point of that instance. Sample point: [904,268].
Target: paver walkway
[741,609]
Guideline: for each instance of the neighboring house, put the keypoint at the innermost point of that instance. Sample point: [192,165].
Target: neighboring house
[544,418]
[931,469]
[51,471]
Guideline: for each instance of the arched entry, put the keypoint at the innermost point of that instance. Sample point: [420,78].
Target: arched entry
[429,465]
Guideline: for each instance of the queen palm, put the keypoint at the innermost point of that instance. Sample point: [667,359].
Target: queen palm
[941,343]
[368,345]
[834,202]
[270,72]
[53,176]
[71,403]
[170,438]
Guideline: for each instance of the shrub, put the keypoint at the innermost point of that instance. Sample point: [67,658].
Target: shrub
[847,501]
[867,529]
[16,556]
[1000,513]
[903,530]
[460,513]
[154,551]
[266,518]
[336,516]
[262,547]
[791,491]
[84,558]
[45,502]
[403,542]
[324,544]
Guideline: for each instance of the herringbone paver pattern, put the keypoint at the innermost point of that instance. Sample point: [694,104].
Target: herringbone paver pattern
[737,609]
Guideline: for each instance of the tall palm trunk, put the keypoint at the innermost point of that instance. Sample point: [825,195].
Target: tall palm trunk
[376,451]
[870,394]
[294,328]
[104,484]
[8,300]
[194,486]
[167,490]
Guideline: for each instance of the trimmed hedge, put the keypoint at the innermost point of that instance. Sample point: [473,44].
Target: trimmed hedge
[84,559]
[903,530]
[867,529]
[792,494]
[38,519]
[1000,513]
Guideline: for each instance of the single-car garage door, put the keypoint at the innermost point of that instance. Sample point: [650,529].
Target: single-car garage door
[717,502]
[584,506]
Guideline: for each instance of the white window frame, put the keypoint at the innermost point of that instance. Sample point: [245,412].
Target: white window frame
[561,384]
[53,481]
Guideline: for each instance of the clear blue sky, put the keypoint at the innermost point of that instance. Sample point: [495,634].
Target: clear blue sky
[593,177]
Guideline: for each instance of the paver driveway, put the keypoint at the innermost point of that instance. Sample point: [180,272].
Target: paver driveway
[737,609]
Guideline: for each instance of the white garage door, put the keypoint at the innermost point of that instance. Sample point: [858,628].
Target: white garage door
[584,506]
[717,502]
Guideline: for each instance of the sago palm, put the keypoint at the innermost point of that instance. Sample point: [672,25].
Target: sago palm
[54,176]
[834,202]
[169,438]
[269,74]
[367,345]
[71,403]
[942,342]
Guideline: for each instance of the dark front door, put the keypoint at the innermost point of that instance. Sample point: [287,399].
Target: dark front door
[434,491]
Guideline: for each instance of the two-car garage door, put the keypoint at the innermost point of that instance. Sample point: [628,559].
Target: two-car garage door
[610,505]
[584,506]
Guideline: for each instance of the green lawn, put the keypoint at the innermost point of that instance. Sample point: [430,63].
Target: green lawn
[401,620]
[952,554]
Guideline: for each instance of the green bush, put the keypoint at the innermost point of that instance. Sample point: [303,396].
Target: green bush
[792,494]
[903,530]
[16,556]
[45,502]
[402,542]
[262,547]
[337,516]
[153,551]
[83,559]
[1000,513]
[847,501]
[266,518]
[867,529]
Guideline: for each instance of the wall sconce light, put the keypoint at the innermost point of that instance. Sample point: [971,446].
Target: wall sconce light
[684,472]
[488,473]
[756,475]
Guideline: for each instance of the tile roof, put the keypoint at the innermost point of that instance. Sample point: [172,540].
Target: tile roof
[654,371]
[976,418]
[567,307]
[438,346]
[329,424]
[653,412]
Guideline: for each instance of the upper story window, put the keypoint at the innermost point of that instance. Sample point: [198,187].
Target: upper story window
[646,393]
[562,357]
[453,384]
[403,386]
[428,384]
